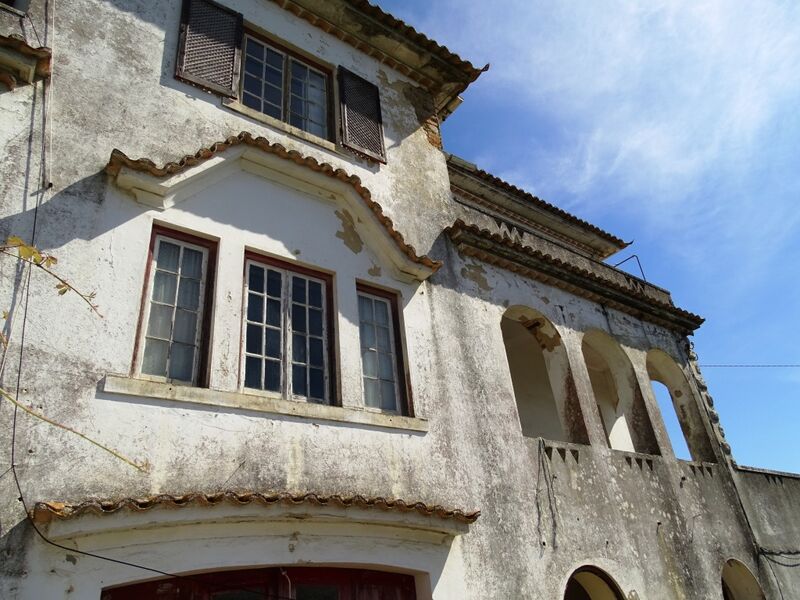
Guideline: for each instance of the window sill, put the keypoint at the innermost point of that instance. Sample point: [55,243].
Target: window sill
[127,386]
[237,106]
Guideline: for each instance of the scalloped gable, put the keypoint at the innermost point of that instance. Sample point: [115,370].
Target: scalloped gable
[163,187]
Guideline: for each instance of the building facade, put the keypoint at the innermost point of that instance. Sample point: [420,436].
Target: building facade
[311,355]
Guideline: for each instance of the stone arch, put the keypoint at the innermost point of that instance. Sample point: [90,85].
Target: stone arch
[739,583]
[544,390]
[591,583]
[619,399]
[663,369]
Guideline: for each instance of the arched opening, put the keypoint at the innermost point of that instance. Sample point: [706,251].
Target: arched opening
[541,377]
[738,583]
[590,583]
[619,401]
[679,409]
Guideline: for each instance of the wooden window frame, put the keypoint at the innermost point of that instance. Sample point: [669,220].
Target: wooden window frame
[290,54]
[329,321]
[405,398]
[204,346]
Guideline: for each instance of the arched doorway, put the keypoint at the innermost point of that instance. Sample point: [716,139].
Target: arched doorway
[590,583]
[738,583]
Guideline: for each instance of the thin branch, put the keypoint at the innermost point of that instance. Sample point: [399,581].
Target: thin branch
[138,466]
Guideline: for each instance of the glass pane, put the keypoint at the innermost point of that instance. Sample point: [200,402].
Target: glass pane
[298,106]
[316,129]
[189,293]
[154,361]
[316,112]
[252,101]
[272,94]
[164,286]
[367,335]
[296,121]
[306,591]
[299,380]
[316,383]
[371,394]
[385,366]
[315,294]
[192,263]
[255,279]
[185,327]
[272,111]
[160,322]
[273,343]
[388,401]
[272,376]
[274,76]
[252,85]
[383,339]
[255,308]
[299,318]
[381,313]
[369,361]
[253,66]
[317,96]
[315,352]
[315,321]
[255,49]
[298,87]
[365,308]
[275,59]
[316,79]
[254,339]
[181,362]
[299,289]
[274,312]
[299,348]
[299,70]
[252,372]
[274,284]
[168,256]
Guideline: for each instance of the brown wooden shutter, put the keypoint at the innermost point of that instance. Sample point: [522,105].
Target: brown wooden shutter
[210,47]
[362,127]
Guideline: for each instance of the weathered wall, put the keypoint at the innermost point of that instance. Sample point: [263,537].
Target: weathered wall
[546,511]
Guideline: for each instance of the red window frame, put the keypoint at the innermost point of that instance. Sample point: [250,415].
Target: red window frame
[330,317]
[404,381]
[203,372]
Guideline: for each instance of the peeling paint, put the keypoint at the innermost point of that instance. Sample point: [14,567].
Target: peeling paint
[348,233]
[374,270]
[476,273]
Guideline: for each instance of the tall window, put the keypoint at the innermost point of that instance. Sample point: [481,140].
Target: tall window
[287,329]
[173,324]
[381,355]
[285,87]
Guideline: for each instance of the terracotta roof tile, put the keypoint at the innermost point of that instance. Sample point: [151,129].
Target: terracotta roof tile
[628,299]
[119,159]
[43,512]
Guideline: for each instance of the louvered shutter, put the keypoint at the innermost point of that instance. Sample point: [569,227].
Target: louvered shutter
[362,127]
[210,46]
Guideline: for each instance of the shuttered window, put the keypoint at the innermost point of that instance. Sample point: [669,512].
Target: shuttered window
[362,126]
[209,49]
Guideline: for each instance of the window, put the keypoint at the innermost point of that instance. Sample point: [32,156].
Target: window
[287,330]
[381,354]
[177,294]
[284,87]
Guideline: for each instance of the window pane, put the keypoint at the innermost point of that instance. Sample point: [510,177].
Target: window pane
[383,339]
[252,85]
[255,340]
[155,358]
[252,372]
[365,308]
[272,376]
[272,94]
[296,121]
[255,49]
[315,294]
[367,335]
[299,70]
[316,129]
[299,289]
[272,111]
[388,401]
[160,322]
[298,87]
[315,321]
[255,279]
[298,106]
[273,343]
[299,318]
[369,363]
[253,66]
[192,264]
[317,80]
[274,312]
[385,366]
[305,591]
[316,112]
[299,348]
[181,362]
[255,308]
[381,313]
[299,380]
[371,393]
[274,284]
[164,287]
[274,58]
[168,256]
[274,77]
[189,293]
[315,352]
[316,383]
[252,102]
[185,327]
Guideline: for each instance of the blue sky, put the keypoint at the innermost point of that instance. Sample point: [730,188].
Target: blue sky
[671,123]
